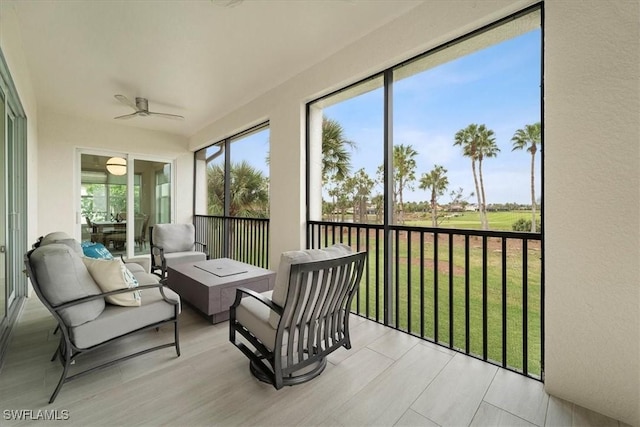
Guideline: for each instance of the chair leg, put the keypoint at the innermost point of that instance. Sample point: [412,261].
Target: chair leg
[63,376]
[59,350]
[55,353]
[177,337]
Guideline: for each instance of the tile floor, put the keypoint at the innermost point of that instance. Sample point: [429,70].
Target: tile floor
[388,378]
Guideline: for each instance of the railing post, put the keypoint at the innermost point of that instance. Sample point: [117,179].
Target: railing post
[388,196]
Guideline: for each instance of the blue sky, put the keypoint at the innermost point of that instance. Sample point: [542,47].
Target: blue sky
[498,86]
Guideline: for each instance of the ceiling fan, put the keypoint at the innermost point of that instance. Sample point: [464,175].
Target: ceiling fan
[142,109]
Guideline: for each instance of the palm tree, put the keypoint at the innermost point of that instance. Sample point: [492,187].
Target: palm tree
[529,139]
[478,143]
[249,190]
[359,188]
[437,181]
[487,148]
[404,166]
[336,158]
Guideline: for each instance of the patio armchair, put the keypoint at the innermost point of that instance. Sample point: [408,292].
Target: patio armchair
[288,332]
[173,244]
[141,224]
[96,235]
[96,303]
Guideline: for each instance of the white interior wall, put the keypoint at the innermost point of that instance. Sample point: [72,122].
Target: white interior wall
[592,205]
[592,312]
[11,45]
[59,138]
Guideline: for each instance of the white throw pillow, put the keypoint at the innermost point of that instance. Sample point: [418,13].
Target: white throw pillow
[111,275]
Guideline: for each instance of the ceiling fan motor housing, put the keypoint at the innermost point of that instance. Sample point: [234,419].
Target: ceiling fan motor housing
[143,106]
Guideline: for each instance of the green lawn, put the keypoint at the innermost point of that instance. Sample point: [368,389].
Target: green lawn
[502,221]
[417,315]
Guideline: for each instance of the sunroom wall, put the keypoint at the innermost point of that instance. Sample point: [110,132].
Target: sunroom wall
[592,204]
[592,316]
[11,45]
[59,138]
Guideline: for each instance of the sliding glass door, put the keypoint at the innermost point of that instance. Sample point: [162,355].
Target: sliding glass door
[119,203]
[13,233]
[4,290]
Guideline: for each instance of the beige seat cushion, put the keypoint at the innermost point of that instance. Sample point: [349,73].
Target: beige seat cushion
[115,320]
[254,315]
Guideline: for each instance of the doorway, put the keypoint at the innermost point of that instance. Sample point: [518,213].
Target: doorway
[118,203]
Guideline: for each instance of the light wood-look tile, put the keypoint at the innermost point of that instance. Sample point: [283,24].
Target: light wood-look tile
[413,419]
[394,344]
[518,395]
[362,335]
[491,416]
[387,378]
[453,397]
[390,395]
[559,413]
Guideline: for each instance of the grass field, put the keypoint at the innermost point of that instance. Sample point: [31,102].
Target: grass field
[417,277]
[499,221]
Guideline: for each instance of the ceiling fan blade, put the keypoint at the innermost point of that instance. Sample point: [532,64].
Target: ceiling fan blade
[127,116]
[126,101]
[167,116]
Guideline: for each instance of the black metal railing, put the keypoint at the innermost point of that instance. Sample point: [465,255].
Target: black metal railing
[242,239]
[476,292]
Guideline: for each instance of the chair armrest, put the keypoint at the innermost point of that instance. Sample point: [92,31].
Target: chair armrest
[159,248]
[253,294]
[118,291]
[158,251]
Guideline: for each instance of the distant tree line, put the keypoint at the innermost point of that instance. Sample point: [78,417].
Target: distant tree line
[352,193]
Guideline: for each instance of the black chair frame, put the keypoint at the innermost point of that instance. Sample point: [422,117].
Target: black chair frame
[67,352]
[313,322]
[156,250]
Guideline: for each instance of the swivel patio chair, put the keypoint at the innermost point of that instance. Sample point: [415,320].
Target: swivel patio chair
[173,244]
[290,332]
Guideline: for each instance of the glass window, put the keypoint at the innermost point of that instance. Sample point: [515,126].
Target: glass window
[458,114]
[346,154]
[237,166]
[465,141]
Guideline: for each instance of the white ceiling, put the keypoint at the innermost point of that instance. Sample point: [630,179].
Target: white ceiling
[199,59]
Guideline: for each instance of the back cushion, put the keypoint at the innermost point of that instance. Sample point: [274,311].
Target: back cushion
[287,259]
[61,237]
[62,277]
[174,237]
